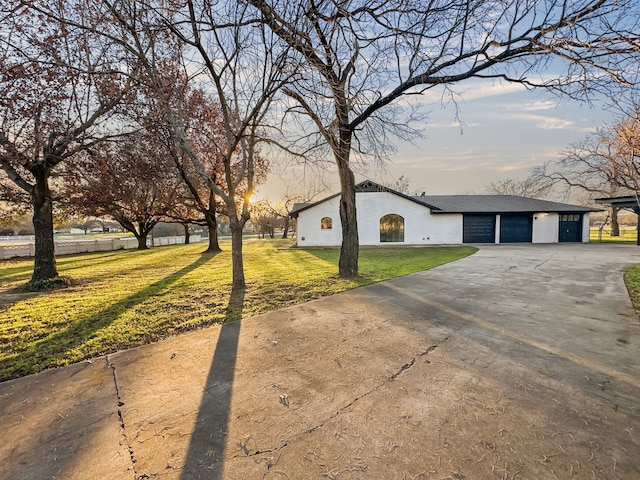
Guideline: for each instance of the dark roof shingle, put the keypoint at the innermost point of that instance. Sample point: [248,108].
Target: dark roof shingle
[495,204]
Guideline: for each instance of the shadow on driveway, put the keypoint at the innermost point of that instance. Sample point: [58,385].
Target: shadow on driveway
[206,449]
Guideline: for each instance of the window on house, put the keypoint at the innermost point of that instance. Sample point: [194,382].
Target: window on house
[326,223]
[392,228]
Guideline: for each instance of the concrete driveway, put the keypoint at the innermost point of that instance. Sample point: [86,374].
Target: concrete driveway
[519,362]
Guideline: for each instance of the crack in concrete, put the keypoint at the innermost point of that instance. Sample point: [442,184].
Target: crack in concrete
[411,362]
[120,403]
[391,378]
[262,452]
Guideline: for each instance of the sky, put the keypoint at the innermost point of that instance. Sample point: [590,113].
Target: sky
[506,130]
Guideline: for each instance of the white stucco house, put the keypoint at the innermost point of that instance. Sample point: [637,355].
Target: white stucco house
[386,216]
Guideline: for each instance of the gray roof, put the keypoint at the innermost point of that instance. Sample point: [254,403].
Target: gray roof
[300,206]
[492,204]
[495,204]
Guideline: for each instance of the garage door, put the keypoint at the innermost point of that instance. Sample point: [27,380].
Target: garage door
[479,228]
[570,227]
[516,228]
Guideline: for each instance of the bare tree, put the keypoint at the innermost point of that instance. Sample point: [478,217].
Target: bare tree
[265,219]
[402,185]
[268,215]
[361,57]
[627,145]
[534,186]
[283,210]
[605,164]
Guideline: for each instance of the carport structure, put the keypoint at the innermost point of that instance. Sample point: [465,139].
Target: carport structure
[629,202]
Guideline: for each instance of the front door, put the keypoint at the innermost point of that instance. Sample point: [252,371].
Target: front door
[570,227]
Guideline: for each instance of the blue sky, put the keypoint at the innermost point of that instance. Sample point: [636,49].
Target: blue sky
[506,131]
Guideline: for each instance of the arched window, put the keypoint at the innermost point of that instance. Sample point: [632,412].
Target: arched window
[392,228]
[325,223]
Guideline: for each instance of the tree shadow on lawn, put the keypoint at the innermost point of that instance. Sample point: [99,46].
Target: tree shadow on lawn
[11,295]
[10,274]
[24,272]
[81,261]
[71,262]
[206,448]
[51,350]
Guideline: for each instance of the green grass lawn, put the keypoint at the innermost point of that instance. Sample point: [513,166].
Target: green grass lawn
[632,275]
[632,280]
[627,235]
[127,298]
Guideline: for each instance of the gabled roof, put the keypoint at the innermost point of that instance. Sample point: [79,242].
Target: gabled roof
[491,204]
[366,186]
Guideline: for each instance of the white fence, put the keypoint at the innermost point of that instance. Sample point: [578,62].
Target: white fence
[69,248]
[18,238]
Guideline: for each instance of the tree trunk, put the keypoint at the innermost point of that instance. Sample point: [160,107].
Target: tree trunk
[348,264]
[187,235]
[142,240]
[45,260]
[129,226]
[285,229]
[212,224]
[236,254]
[615,226]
